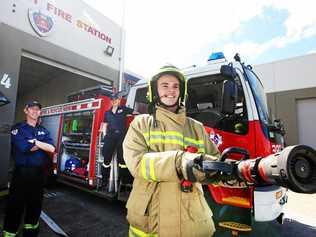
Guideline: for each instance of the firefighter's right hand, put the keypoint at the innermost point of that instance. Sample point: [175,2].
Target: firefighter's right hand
[192,168]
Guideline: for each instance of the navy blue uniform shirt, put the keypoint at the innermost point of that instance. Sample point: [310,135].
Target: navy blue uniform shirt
[21,133]
[117,121]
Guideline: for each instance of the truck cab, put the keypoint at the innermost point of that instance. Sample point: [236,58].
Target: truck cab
[229,99]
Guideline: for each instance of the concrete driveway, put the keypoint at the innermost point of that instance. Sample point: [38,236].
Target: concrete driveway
[301,208]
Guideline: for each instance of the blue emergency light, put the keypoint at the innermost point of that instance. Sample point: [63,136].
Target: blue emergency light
[216,56]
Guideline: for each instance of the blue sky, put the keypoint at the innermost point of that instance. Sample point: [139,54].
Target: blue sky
[262,28]
[269,25]
[185,32]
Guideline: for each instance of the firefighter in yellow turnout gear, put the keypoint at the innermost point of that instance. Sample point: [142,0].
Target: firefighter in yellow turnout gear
[154,152]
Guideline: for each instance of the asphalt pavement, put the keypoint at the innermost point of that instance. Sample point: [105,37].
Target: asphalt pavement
[81,214]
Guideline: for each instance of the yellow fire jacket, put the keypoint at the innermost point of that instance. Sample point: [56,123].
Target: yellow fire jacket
[157,206]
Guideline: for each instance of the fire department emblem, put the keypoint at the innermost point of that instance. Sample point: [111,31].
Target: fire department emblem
[41,23]
[216,138]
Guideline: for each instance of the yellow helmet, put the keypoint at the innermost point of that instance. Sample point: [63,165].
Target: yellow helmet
[153,97]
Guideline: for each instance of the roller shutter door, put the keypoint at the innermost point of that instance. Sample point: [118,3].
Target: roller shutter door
[306,121]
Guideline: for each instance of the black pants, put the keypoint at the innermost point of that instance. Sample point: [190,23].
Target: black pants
[25,195]
[113,141]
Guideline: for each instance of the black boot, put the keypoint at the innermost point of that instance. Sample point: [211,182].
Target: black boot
[31,232]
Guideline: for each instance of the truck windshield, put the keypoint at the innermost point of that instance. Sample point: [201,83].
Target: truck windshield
[259,96]
[205,98]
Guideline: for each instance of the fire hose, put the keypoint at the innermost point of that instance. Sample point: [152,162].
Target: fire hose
[293,168]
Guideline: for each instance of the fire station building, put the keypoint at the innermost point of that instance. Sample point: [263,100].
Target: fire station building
[290,85]
[48,50]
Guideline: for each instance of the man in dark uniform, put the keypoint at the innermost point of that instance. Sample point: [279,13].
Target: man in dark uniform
[114,130]
[30,145]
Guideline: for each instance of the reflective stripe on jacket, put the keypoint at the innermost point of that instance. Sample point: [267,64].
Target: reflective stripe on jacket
[9,234]
[134,232]
[31,226]
[156,204]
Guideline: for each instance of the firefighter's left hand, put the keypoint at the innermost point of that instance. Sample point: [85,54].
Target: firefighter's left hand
[192,168]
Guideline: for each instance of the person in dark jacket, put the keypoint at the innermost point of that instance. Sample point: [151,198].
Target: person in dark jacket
[31,144]
[114,130]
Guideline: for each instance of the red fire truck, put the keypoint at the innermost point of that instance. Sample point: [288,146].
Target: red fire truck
[228,98]
[74,127]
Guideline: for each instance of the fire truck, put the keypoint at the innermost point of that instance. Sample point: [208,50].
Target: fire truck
[227,97]
[74,126]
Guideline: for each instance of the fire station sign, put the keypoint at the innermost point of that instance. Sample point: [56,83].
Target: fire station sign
[41,21]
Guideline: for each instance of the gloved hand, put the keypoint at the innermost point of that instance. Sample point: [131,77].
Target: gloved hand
[227,176]
[192,170]
[192,167]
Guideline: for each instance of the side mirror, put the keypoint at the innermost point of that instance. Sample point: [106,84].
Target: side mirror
[277,127]
[3,100]
[229,93]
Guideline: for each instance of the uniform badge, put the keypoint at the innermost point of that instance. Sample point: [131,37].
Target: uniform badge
[14,132]
[216,139]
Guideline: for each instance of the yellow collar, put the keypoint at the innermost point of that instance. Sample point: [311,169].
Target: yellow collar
[164,115]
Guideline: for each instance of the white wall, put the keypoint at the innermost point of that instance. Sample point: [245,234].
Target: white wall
[68,30]
[289,74]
